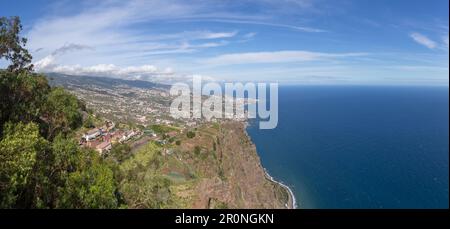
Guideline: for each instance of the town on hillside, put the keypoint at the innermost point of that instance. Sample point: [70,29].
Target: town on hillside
[104,137]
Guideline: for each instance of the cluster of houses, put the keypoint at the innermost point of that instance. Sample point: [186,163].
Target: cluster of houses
[101,139]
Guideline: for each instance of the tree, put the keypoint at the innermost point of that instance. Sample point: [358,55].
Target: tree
[51,171]
[61,112]
[88,122]
[36,172]
[19,150]
[21,97]
[72,177]
[91,187]
[190,134]
[66,157]
[197,150]
[120,152]
[12,45]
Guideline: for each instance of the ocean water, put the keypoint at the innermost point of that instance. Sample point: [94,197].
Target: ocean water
[360,147]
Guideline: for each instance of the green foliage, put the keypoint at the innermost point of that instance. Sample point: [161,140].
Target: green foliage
[89,122]
[120,152]
[27,97]
[36,172]
[221,205]
[12,45]
[51,170]
[81,178]
[190,134]
[91,187]
[148,157]
[151,191]
[67,156]
[19,150]
[162,129]
[22,96]
[197,150]
[61,112]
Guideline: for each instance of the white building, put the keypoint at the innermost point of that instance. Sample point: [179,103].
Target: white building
[92,134]
[127,135]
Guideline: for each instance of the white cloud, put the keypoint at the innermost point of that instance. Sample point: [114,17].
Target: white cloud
[423,40]
[263,23]
[276,57]
[143,72]
[218,35]
[49,61]
[190,35]
[113,70]
[110,25]
[249,35]
[211,44]
[49,64]
[110,28]
[103,36]
[70,47]
[45,63]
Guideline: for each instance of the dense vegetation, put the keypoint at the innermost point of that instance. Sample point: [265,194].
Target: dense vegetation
[162,129]
[42,165]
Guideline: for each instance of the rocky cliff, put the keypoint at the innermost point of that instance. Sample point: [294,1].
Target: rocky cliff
[229,170]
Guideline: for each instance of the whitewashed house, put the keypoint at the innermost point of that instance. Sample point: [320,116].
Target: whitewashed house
[92,134]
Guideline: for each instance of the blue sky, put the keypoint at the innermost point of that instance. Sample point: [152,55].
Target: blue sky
[388,42]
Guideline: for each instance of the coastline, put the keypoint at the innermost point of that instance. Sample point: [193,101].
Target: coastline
[292,201]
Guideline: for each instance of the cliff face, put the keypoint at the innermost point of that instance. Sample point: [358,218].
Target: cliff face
[229,171]
[211,166]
